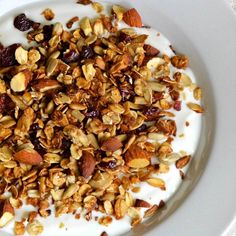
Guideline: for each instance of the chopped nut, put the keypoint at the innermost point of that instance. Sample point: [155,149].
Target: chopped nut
[48,14]
[21,55]
[6,212]
[20,81]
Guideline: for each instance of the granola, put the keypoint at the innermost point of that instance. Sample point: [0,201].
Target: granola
[85,116]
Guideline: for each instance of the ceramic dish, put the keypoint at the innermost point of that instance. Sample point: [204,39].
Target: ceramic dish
[204,207]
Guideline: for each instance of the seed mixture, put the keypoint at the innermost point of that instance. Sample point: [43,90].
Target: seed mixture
[85,116]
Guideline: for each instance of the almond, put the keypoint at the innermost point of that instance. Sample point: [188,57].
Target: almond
[142,203]
[28,156]
[182,162]
[6,212]
[150,50]
[20,81]
[132,18]
[111,145]
[87,164]
[21,55]
[44,85]
[136,157]
[157,182]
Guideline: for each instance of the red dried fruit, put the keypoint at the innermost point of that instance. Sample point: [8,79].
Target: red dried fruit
[87,164]
[6,104]
[108,164]
[71,56]
[151,113]
[87,52]
[47,32]
[92,112]
[177,105]
[124,37]
[22,23]
[7,55]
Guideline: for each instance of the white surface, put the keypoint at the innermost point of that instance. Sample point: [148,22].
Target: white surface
[211,207]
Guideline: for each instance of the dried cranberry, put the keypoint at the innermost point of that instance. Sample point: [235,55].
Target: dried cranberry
[47,32]
[142,128]
[124,37]
[87,52]
[64,46]
[37,146]
[1,46]
[7,55]
[6,104]
[71,56]
[151,113]
[22,23]
[65,144]
[92,112]
[177,105]
[108,164]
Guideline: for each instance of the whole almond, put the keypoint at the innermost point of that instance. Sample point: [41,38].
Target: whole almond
[111,145]
[87,164]
[28,156]
[132,18]
[6,212]
[136,157]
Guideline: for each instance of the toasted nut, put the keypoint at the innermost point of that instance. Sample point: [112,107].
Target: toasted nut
[111,145]
[19,228]
[132,18]
[48,14]
[195,107]
[44,85]
[150,50]
[87,165]
[20,81]
[21,55]
[34,228]
[180,61]
[182,162]
[142,203]
[28,156]
[34,56]
[136,157]
[157,182]
[197,93]
[6,212]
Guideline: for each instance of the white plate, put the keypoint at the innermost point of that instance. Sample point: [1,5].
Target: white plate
[206,31]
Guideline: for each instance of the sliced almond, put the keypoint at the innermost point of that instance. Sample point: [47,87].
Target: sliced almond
[20,81]
[195,107]
[151,211]
[157,182]
[28,156]
[120,208]
[6,212]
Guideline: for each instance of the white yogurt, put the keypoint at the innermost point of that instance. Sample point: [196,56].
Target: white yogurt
[64,10]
